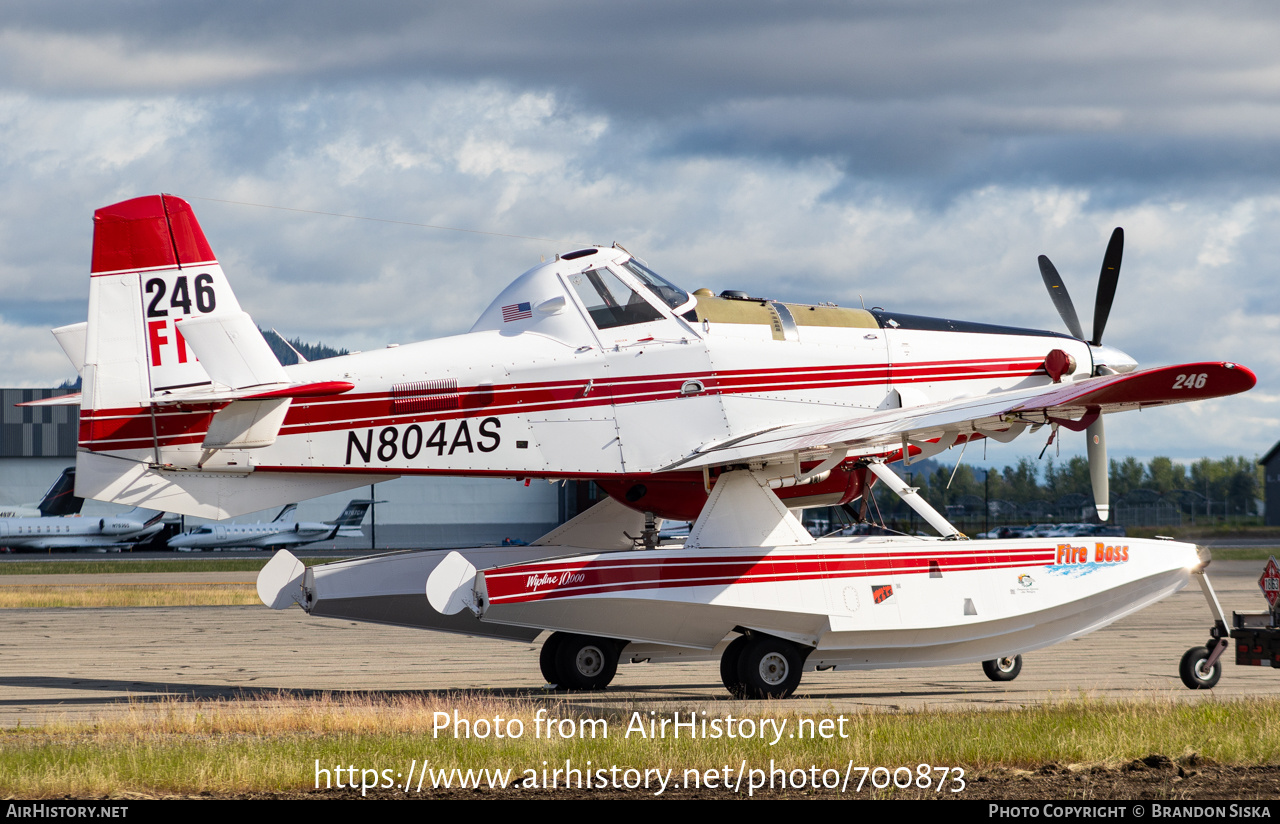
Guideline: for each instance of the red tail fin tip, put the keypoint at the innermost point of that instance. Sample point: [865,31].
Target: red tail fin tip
[150,232]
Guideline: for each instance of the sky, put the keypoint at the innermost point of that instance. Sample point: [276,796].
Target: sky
[913,155]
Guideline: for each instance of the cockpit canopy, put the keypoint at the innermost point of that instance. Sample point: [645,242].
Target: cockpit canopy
[613,288]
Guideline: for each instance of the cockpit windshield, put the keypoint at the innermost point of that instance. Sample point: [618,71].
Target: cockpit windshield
[667,292]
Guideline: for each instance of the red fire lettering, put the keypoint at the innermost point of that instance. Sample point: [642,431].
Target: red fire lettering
[155,332]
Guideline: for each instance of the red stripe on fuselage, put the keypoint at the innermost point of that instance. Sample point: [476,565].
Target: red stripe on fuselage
[608,574]
[186,424]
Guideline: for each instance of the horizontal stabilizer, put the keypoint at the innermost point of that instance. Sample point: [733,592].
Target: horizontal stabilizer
[246,424]
[209,394]
[232,350]
[72,339]
[72,399]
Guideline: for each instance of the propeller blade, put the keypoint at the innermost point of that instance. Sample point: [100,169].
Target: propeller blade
[1061,300]
[1107,284]
[1099,469]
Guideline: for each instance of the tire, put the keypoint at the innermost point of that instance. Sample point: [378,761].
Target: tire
[729,666]
[769,667]
[586,663]
[1003,669]
[547,658]
[1192,669]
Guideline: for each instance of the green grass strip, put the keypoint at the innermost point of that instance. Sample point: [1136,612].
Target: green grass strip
[273,747]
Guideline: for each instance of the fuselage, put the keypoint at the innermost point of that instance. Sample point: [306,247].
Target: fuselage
[257,536]
[547,385]
[591,366]
[74,532]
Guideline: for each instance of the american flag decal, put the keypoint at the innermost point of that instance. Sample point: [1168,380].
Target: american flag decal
[516,311]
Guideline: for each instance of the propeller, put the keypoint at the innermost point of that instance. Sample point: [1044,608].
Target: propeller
[1107,280]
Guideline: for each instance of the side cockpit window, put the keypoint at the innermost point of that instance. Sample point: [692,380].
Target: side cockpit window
[609,301]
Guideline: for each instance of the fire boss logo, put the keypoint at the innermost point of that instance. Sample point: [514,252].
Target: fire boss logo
[881,592]
[1102,554]
[545,579]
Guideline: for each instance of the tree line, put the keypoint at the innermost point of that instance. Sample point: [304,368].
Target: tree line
[1218,487]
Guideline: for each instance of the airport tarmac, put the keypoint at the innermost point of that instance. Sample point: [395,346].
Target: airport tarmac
[77,664]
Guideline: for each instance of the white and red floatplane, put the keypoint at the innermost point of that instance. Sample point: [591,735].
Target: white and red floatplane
[728,410]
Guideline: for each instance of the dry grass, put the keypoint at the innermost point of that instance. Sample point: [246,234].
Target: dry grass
[70,566]
[37,596]
[272,745]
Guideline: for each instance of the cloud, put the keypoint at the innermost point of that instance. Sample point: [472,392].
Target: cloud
[933,93]
[90,63]
[916,156]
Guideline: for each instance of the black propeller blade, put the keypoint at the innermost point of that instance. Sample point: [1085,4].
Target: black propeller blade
[1061,300]
[1107,280]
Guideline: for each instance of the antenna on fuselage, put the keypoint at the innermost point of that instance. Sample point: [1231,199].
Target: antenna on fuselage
[285,341]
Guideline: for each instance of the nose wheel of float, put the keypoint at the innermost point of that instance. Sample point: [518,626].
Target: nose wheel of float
[1003,669]
[1256,634]
[1196,670]
[579,662]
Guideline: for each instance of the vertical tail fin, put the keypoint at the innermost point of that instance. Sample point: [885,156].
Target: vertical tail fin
[61,498]
[152,268]
[146,435]
[153,278]
[287,515]
[353,515]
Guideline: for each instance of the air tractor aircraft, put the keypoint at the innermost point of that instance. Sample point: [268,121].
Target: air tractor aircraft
[732,411]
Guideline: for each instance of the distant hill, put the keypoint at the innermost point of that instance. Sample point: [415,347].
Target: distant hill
[310,351]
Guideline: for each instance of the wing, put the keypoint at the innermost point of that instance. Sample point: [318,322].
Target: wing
[930,428]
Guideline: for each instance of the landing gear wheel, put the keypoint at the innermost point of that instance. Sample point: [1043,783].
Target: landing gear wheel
[1003,669]
[1193,671]
[547,658]
[586,663]
[769,667]
[729,666]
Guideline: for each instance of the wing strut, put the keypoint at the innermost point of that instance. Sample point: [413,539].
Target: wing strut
[911,496]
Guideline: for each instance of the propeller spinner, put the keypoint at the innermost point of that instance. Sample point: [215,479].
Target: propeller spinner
[1107,360]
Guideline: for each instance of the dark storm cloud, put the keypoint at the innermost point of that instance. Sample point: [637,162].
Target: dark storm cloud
[940,93]
[917,155]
